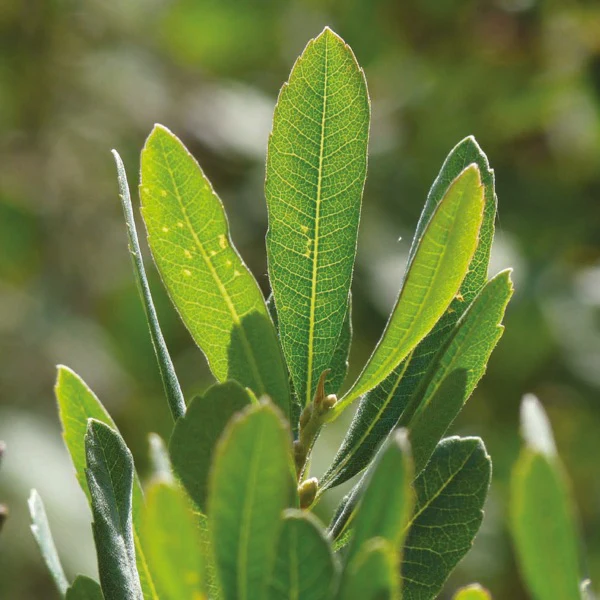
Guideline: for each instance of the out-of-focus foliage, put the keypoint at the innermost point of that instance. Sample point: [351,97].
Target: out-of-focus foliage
[77,79]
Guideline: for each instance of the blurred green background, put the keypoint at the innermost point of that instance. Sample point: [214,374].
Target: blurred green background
[78,78]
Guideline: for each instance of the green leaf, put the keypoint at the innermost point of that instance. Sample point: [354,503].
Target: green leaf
[372,574]
[174,544]
[251,482]
[316,168]
[194,438]
[432,279]
[472,592]
[542,513]
[305,567]
[215,294]
[380,409]
[76,404]
[84,588]
[165,364]
[43,536]
[109,474]
[387,501]
[457,369]
[339,361]
[450,491]
[160,462]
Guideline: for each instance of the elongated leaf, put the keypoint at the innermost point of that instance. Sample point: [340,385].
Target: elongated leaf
[251,482]
[339,361]
[160,462]
[432,279]
[109,474]
[174,544]
[380,409]
[542,513]
[193,441]
[387,502]
[76,404]
[316,169]
[472,592]
[450,493]
[305,568]
[165,364]
[43,536]
[84,588]
[215,294]
[373,574]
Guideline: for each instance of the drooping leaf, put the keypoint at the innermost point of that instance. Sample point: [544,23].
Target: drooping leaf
[174,544]
[372,574]
[380,409]
[387,501]
[450,491]
[472,592]
[432,279]
[43,536]
[305,568]
[542,513]
[84,588]
[251,482]
[316,169]
[215,294]
[76,404]
[109,472]
[165,364]
[193,441]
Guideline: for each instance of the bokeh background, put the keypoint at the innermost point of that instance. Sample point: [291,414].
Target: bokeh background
[78,78]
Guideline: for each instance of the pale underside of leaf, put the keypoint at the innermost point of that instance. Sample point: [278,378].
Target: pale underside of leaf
[316,169]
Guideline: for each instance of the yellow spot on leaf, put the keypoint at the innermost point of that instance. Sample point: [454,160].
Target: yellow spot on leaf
[180,225]
[236,273]
[165,229]
[228,263]
[303,228]
[163,193]
[187,272]
[187,253]
[222,241]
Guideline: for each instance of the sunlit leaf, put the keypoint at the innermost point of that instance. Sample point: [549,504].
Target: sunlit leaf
[380,409]
[109,472]
[43,536]
[194,438]
[251,483]
[173,543]
[432,279]
[165,364]
[450,492]
[76,404]
[304,567]
[472,592]
[542,512]
[215,294]
[316,169]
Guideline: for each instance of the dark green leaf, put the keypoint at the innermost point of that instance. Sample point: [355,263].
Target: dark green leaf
[173,543]
[542,513]
[451,491]
[251,482]
[43,536]
[84,588]
[380,409]
[109,474]
[431,281]
[372,574]
[387,501]
[76,404]
[215,294]
[305,568]
[165,365]
[316,169]
[195,436]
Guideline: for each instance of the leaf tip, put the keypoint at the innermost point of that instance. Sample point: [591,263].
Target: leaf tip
[535,426]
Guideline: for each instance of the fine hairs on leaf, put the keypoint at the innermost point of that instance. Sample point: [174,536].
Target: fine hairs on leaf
[227,508]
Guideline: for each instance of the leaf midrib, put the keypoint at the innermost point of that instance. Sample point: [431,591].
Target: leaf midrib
[232,310]
[313,297]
